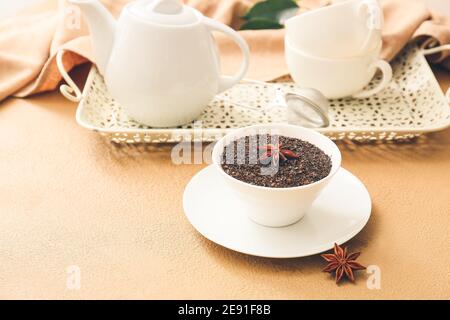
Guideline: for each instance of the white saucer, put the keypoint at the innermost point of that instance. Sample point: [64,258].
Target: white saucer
[337,215]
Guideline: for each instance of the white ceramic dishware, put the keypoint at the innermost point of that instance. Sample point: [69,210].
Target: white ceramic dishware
[159,59]
[277,207]
[338,78]
[344,29]
[350,119]
[337,215]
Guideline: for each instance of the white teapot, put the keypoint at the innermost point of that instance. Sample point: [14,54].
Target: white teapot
[159,60]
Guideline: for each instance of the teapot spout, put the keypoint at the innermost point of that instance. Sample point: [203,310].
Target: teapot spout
[102,26]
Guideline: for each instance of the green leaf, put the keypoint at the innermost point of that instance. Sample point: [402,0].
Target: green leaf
[260,23]
[272,10]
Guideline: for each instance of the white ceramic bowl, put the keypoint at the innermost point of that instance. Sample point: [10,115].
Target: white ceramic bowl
[277,207]
[344,29]
[337,78]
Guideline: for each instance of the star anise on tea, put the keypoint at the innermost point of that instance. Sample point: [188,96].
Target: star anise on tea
[274,152]
[342,263]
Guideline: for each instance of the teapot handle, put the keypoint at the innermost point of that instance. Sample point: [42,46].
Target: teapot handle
[227,82]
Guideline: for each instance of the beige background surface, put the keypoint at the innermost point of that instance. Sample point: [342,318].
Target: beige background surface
[68,197]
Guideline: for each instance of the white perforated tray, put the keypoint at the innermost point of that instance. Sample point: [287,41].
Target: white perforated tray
[413,104]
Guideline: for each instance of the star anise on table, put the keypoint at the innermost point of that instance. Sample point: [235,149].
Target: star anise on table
[342,263]
[274,153]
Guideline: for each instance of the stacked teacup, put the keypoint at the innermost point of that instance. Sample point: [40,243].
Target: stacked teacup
[335,49]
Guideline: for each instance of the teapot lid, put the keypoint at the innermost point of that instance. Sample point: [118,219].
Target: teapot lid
[166,12]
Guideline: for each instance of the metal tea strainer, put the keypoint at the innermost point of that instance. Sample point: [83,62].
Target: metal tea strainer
[306,107]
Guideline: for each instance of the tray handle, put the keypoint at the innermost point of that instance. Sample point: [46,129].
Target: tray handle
[70,90]
[431,47]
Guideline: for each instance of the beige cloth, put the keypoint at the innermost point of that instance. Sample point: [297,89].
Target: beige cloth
[30,40]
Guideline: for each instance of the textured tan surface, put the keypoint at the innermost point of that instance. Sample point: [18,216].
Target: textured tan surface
[67,197]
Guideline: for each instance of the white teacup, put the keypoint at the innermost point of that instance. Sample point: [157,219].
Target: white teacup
[344,29]
[337,78]
[277,207]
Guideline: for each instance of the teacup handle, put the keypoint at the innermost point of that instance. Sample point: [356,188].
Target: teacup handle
[374,22]
[227,82]
[386,79]
[375,13]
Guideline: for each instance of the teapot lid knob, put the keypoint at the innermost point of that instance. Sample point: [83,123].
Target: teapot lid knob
[165,12]
[166,6]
